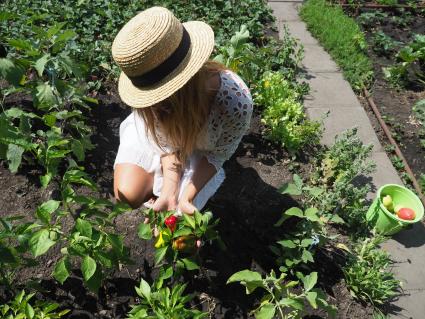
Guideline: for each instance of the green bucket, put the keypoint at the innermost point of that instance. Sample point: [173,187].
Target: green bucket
[388,223]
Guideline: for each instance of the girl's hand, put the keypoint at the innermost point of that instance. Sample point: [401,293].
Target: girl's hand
[165,203]
[186,207]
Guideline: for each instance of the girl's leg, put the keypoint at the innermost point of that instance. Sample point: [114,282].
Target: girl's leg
[132,184]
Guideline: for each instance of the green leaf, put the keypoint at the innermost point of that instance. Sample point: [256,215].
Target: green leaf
[311,296]
[310,281]
[144,290]
[10,72]
[307,256]
[88,267]
[294,211]
[40,242]
[189,220]
[45,179]
[95,281]
[311,214]
[287,243]
[290,302]
[190,264]
[266,311]
[244,275]
[62,270]
[250,279]
[41,63]
[14,156]
[45,210]
[290,189]
[144,231]
[29,311]
[84,227]
[160,254]
[116,242]
[43,96]
[182,232]
[78,150]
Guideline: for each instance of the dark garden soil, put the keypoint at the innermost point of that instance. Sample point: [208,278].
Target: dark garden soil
[396,105]
[247,204]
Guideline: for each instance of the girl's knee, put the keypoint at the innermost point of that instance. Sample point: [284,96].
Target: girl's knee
[129,195]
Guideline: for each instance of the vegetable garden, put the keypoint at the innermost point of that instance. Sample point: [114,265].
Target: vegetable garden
[285,236]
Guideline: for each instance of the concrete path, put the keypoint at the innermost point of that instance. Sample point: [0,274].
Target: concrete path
[330,92]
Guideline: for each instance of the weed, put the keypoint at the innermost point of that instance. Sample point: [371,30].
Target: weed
[367,273]
[341,36]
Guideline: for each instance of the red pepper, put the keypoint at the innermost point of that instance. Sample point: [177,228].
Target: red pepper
[171,223]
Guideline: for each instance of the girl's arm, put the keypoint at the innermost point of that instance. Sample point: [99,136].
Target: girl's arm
[204,171]
[171,171]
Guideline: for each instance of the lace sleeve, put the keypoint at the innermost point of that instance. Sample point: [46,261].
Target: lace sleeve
[235,102]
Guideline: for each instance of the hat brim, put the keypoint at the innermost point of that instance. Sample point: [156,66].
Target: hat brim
[202,45]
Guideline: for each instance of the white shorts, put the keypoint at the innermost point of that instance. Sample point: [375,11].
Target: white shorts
[136,148]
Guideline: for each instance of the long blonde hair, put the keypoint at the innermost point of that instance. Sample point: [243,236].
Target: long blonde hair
[182,116]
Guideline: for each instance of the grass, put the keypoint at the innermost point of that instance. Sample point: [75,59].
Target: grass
[342,38]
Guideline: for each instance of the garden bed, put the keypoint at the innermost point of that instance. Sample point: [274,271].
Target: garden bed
[246,227]
[288,206]
[387,31]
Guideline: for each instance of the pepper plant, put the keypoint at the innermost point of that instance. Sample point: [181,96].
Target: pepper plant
[21,308]
[179,239]
[163,302]
[14,235]
[282,298]
[90,239]
[54,126]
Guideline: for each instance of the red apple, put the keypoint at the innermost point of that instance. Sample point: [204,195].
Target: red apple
[406,214]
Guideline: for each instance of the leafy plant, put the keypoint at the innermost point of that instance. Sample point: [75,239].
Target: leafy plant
[178,246]
[331,187]
[250,62]
[297,248]
[367,273]
[99,22]
[280,299]
[383,44]
[21,308]
[164,303]
[89,238]
[371,18]
[54,127]
[284,114]
[14,235]
[411,61]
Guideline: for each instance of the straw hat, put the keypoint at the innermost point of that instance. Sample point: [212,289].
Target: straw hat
[158,55]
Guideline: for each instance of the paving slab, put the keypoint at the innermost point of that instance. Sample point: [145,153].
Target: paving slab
[285,11]
[407,251]
[299,31]
[329,89]
[340,119]
[316,59]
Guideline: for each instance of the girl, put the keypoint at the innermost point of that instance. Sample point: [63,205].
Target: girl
[189,113]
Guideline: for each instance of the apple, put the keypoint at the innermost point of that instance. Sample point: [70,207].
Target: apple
[406,214]
[388,203]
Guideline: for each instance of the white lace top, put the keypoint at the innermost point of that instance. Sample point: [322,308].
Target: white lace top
[228,121]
